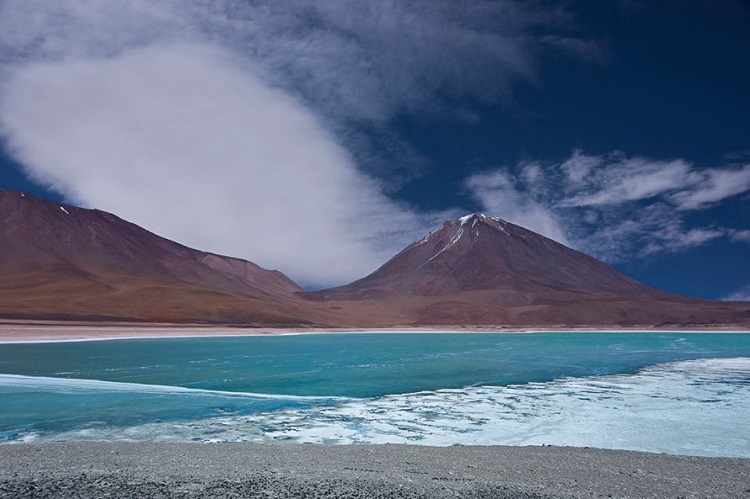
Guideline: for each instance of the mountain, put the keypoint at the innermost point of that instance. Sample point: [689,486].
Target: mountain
[59,262]
[482,270]
[62,262]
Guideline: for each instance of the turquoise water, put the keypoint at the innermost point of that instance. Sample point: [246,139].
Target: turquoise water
[651,391]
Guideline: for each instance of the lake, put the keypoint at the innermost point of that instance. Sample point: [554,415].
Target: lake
[679,393]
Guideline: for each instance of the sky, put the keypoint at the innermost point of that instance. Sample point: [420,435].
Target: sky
[321,137]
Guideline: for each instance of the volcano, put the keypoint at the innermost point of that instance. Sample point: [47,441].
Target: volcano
[482,270]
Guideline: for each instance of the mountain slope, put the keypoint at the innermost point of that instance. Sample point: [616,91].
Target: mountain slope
[58,261]
[483,270]
[478,252]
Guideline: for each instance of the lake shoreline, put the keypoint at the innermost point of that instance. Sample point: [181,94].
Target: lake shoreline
[47,332]
[88,470]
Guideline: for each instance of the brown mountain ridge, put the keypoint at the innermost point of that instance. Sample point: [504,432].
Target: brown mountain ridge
[62,262]
[58,262]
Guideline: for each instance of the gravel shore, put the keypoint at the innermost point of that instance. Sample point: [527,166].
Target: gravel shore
[145,470]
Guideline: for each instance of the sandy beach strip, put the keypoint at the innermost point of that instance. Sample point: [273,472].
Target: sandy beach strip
[12,332]
[39,333]
[145,470]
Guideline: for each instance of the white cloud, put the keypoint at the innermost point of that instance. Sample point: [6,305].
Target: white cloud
[673,239]
[742,294]
[619,179]
[615,179]
[740,235]
[531,173]
[178,139]
[580,165]
[714,186]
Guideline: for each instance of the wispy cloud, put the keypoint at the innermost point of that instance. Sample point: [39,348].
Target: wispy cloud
[613,206]
[740,235]
[742,294]
[713,186]
[500,193]
[678,239]
[617,179]
[256,129]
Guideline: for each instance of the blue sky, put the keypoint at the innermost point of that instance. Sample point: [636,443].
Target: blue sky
[321,137]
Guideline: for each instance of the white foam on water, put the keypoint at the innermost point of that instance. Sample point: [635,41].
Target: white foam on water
[698,407]
[74,384]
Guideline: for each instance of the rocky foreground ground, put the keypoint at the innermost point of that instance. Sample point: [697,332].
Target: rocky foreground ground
[158,470]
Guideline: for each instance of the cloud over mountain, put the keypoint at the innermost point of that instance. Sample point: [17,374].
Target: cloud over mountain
[238,126]
[178,137]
